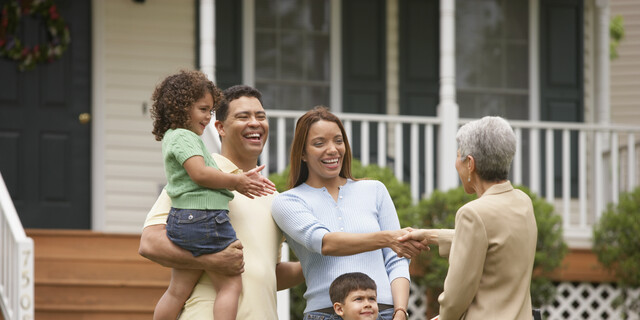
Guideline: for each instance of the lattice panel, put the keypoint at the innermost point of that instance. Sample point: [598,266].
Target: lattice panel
[417,302]
[574,301]
[586,301]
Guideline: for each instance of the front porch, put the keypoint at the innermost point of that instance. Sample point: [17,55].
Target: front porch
[577,167]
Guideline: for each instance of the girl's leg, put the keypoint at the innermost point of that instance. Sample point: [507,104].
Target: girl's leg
[228,289]
[180,287]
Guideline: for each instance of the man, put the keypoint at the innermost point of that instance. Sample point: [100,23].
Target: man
[243,128]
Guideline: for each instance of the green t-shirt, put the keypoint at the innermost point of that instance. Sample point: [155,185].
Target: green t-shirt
[178,145]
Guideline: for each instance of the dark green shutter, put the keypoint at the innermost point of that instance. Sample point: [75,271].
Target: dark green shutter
[228,42]
[364,74]
[561,76]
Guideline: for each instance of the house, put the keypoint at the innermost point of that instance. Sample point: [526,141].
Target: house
[75,133]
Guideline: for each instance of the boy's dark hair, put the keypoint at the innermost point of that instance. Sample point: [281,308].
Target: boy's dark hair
[233,93]
[349,282]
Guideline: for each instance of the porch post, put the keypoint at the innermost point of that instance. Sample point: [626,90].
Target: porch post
[448,107]
[207,54]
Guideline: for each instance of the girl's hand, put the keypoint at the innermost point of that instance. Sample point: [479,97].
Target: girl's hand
[253,184]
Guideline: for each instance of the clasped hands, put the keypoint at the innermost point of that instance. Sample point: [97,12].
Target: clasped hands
[409,242]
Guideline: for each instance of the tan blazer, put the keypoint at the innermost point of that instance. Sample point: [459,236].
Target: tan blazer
[491,255]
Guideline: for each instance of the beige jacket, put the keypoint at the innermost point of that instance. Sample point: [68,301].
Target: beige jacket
[491,254]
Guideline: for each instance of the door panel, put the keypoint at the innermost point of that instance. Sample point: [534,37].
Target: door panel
[45,149]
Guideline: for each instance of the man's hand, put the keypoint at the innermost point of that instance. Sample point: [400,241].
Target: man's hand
[228,262]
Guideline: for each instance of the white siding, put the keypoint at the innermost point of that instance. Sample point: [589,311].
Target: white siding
[141,44]
[625,71]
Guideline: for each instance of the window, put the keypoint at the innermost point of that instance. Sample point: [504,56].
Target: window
[492,58]
[292,53]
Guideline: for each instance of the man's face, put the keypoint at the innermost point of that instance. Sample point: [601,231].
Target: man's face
[246,128]
[358,305]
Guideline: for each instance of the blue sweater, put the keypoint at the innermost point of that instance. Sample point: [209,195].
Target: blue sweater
[305,214]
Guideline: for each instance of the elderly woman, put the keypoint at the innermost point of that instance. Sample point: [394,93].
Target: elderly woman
[492,247]
[336,224]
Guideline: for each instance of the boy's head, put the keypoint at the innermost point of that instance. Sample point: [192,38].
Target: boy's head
[354,296]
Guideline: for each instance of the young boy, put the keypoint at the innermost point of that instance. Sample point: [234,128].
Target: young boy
[354,296]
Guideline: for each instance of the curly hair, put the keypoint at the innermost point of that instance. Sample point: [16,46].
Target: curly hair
[174,97]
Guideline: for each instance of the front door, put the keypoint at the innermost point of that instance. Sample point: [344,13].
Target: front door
[44,147]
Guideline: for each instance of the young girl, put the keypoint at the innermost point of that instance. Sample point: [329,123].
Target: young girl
[182,107]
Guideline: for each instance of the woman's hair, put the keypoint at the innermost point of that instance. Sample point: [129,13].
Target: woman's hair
[175,95]
[299,170]
[492,144]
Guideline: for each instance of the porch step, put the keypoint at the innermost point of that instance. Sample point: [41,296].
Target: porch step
[89,275]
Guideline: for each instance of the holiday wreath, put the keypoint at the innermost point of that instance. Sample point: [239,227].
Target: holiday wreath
[11,47]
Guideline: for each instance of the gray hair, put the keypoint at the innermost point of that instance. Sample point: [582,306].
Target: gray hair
[492,144]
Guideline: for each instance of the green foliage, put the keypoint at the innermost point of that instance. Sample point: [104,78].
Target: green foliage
[616,32]
[616,241]
[438,211]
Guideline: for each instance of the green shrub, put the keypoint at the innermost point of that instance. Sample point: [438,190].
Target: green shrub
[400,194]
[616,242]
[438,211]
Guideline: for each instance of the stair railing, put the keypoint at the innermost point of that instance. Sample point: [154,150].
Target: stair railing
[16,257]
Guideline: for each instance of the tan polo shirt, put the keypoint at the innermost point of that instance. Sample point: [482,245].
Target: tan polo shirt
[262,240]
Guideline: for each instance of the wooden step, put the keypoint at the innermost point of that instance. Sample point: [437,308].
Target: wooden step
[81,274]
[96,297]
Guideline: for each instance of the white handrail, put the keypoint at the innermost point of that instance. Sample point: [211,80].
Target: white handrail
[16,256]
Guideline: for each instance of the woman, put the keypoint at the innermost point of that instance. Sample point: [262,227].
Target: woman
[336,224]
[492,247]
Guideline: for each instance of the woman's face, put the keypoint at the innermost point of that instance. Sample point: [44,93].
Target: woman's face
[323,152]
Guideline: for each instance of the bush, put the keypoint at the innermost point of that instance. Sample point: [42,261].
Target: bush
[438,211]
[616,242]
[400,194]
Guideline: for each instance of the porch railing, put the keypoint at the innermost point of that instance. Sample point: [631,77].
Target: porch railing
[16,256]
[577,167]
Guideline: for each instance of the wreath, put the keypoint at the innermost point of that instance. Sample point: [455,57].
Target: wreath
[11,47]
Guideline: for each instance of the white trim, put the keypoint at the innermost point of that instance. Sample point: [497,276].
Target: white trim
[248,43]
[603,106]
[335,39]
[98,192]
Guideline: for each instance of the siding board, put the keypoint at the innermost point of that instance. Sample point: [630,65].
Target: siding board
[625,71]
[142,44]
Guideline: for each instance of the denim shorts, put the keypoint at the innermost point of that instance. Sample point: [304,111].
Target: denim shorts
[200,231]
[313,315]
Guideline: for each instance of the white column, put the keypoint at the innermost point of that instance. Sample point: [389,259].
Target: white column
[448,107]
[207,54]
[207,39]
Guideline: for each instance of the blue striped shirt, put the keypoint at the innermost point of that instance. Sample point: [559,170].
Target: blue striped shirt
[305,214]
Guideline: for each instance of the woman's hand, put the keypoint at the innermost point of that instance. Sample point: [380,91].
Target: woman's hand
[407,248]
[424,236]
